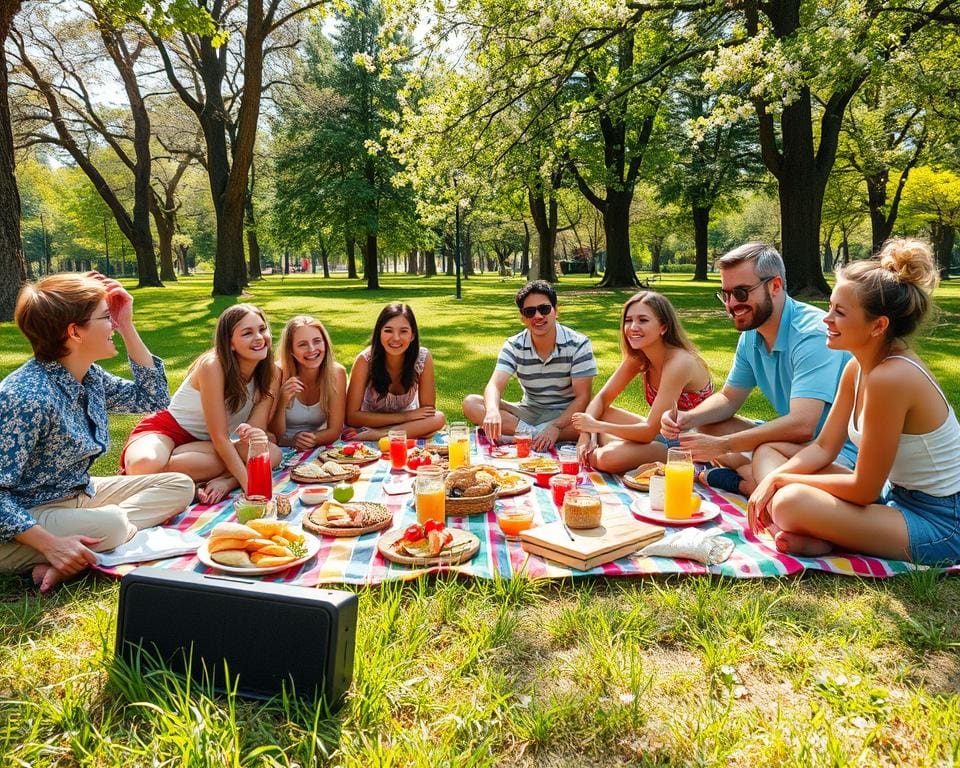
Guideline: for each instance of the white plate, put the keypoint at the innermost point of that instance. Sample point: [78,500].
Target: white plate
[398,485]
[313,546]
[641,508]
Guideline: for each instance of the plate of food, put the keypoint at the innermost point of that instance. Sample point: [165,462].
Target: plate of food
[703,511]
[639,478]
[351,453]
[503,451]
[324,472]
[538,465]
[513,483]
[423,457]
[259,548]
[429,544]
[346,520]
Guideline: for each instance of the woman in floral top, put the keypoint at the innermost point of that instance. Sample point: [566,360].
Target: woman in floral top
[53,515]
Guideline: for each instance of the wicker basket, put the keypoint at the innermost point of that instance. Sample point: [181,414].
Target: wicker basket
[458,506]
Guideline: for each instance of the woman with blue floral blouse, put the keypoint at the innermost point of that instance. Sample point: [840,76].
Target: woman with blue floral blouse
[53,515]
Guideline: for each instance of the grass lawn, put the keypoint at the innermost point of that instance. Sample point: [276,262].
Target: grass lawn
[819,670]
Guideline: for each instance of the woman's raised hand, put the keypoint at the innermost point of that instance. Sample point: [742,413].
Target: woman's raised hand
[291,388]
[119,301]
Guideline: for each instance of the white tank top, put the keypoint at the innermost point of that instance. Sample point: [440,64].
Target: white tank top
[186,408]
[930,462]
[300,417]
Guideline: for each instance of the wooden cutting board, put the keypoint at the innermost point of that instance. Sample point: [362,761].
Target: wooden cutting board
[618,535]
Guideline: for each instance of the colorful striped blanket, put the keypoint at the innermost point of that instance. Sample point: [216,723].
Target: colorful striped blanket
[357,560]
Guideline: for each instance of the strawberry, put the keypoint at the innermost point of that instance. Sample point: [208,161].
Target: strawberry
[413,462]
[348,450]
[432,525]
[414,533]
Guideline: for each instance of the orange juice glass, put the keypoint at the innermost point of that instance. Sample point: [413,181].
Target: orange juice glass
[512,521]
[459,445]
[429,494]
[678,482]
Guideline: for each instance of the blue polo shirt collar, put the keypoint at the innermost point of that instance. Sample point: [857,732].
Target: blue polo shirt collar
[782,342]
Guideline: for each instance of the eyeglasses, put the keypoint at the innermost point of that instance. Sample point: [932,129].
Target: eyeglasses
[543,309]
[741,292]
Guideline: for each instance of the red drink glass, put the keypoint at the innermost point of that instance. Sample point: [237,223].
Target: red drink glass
[524,442]
[259,476]
[398,448]
[559,485]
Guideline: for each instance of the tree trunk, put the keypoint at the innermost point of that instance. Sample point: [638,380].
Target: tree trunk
[943,236]
[701,228]
[371,262]
[351,257]
[253,244]
[525,253]
[412,262]
[616,229]
[324,257]
[544,217]
[12,267]
[429,263]
[655,247]
[165,227]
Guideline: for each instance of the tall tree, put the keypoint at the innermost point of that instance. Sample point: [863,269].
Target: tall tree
[201,71]
[11,248]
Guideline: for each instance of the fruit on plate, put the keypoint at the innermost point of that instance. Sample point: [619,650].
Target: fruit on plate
[428,540]
[421,457]
[258,544]
[354,450]
[343,492]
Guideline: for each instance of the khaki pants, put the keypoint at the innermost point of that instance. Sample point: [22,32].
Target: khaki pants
[119,507]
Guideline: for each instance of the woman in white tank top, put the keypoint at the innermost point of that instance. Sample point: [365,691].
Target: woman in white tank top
[230,388]
[313,389]
[893,410]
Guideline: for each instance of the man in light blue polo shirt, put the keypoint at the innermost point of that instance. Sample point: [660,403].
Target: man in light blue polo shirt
[782,350]
[555,367]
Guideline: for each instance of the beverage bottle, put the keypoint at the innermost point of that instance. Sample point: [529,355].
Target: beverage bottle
[259,473]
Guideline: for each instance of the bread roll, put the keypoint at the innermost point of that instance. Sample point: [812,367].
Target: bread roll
[236,558]
[269,561]
[222,543]
[233,531]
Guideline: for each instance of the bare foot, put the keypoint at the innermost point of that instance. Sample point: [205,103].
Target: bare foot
[798,544]
[46,577]
[217,489]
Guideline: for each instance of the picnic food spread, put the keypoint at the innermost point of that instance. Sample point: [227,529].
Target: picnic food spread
[257,544]
[477,480]
[538,464]
[429,544]
[420,457]
[333,514]
[356,453]
[317,472]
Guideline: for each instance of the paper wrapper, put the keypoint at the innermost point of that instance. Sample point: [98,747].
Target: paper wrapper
[707,547]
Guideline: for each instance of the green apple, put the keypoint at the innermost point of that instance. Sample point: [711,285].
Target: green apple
[343,492]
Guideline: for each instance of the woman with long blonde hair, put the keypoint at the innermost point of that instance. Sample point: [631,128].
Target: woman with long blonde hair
[654,347]
[313,387]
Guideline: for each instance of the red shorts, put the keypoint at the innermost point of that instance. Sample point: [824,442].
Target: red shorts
[159,423]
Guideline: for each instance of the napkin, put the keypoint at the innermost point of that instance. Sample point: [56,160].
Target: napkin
[692,544]
[151,544]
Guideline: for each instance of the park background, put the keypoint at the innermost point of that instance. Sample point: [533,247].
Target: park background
[329,158]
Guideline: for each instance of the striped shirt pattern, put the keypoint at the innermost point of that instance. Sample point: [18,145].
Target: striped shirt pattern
[548,384]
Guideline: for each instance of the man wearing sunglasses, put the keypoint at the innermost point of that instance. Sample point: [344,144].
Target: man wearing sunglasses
[555,367]
[782,350]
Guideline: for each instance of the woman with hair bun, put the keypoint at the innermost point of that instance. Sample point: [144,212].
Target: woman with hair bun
[894,412]
[53,514]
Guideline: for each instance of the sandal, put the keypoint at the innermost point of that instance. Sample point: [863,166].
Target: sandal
[722,478]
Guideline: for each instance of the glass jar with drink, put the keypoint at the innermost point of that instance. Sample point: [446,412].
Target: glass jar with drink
[429,494]
[678,484]
[560,485]
[259,472]
[581,509]
[524,442]
[398,448]
[459,445]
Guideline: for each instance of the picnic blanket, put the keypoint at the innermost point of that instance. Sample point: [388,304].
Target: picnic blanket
[357,560]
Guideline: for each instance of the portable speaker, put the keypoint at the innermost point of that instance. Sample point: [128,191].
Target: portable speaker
[268,634]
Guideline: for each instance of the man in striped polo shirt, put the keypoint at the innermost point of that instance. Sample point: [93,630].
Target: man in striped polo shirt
[555,367]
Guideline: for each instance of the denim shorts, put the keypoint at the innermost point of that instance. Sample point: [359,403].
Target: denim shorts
[933,524]
[670,443]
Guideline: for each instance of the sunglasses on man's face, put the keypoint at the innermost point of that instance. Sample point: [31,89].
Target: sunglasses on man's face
[740,292]
[543,309]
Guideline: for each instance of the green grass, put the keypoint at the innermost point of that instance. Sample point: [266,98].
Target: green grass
[814,671]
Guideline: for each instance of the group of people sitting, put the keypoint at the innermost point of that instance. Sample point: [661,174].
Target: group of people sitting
[864,453]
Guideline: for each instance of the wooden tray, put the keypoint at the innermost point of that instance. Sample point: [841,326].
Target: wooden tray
[350,476]
[639,484]
[466,543]
[346,533]
[332,454]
